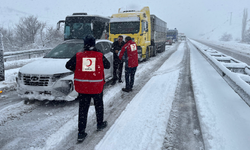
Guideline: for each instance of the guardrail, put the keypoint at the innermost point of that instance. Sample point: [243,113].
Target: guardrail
[234,72]
[10,56]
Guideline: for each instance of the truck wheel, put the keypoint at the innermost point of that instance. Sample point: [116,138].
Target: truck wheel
[147,54]
[163,48]
[155,51]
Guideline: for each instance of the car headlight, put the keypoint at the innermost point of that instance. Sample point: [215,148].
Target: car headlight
[56,77]
[19,75]
[64,87]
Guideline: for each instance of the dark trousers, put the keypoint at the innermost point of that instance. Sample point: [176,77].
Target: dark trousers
[130,77]
[84,103]
[117,66]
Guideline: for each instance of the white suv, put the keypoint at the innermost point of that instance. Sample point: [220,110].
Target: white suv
[48,79]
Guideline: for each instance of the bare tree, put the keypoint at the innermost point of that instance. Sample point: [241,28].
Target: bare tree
[226,37]
[8,38]
[27,29]
[247,36]
[42,34]
[30,33]
[244,24]
[49,36]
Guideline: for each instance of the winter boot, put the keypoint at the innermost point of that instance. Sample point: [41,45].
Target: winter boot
[81,136]
[102,126]
[113,82]
[125,89]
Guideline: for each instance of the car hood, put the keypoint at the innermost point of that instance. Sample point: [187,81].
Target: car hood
[45,66]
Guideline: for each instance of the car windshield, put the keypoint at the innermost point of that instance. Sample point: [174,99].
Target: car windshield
[65,50]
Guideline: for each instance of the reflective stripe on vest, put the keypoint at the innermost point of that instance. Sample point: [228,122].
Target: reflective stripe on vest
[89,80]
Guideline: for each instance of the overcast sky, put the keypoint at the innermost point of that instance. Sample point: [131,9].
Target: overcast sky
[192,17]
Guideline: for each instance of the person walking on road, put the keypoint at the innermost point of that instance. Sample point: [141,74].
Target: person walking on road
[117,63]
[88,67]
[129,50]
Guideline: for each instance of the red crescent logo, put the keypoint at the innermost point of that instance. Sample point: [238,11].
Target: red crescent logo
[90,62]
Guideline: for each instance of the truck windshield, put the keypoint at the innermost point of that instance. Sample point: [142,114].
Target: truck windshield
[171,33]
[124,27]
[65,50]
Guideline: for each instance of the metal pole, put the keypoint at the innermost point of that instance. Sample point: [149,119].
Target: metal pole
[2,78]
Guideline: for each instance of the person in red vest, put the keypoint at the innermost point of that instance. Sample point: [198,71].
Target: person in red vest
[129,50]
[89,79]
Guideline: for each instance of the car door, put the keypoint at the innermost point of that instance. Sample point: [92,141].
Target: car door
[109,56]
[105,49]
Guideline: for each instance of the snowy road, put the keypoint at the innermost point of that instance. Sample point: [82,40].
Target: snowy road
[47,121]
[175,92]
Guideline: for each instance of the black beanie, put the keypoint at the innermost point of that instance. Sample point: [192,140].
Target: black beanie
[89,41]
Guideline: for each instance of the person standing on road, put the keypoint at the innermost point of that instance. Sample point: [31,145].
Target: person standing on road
[89,79]
[129,50]
[117,63]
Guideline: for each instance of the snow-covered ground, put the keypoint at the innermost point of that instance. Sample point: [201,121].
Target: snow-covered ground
[10,74]
[232,45]
[223,115]
[143,123]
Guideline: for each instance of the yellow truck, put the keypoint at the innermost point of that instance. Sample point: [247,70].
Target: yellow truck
[147,30]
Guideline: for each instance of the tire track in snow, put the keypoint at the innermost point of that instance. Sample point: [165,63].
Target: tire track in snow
[15,111]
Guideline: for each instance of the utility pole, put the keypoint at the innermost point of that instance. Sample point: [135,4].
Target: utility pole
[1,59]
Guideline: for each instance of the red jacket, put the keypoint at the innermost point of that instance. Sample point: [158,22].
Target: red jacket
[131,54]
[89,72]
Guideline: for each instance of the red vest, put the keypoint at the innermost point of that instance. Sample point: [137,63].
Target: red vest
[89,72]
[132,53]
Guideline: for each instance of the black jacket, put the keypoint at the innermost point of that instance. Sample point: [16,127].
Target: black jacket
[71,64]
[116,46]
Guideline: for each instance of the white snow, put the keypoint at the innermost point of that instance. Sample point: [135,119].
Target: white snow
[223,115]
[8,113]
[52,66]
[143,123]
[125,19]
[235,76]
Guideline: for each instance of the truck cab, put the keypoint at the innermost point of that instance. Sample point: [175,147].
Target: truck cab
[135,24]
[145,29]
